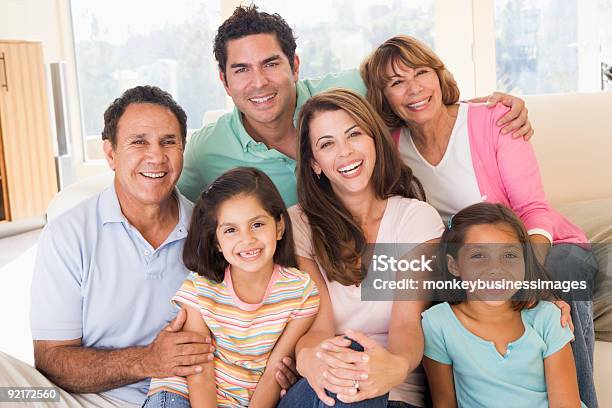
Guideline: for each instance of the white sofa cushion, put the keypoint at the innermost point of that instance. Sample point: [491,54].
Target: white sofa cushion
[77,192]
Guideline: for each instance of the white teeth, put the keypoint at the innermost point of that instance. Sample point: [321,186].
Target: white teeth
[250,254]
[154,175]
[262,99]
[348,169]
[419,104]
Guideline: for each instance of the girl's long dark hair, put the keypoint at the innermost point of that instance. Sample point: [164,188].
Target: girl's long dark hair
[338,239]
[201,253]
[453,239]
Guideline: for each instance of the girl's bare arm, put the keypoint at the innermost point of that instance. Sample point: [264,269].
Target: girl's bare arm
[561,382]
[441,383]
[202,386]
[267,391]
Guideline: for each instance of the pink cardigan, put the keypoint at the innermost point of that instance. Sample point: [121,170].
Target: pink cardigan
[507,173]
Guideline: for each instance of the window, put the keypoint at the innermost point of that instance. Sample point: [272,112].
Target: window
[120,44]
[541,46]
[337,34]
[548,46]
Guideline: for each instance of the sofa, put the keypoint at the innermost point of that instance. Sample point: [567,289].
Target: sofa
[573,143]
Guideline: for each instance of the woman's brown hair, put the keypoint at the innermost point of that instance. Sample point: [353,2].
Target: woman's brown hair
[338,240]
[402,50]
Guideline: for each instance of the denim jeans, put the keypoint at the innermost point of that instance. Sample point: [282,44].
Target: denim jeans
[301,395]
[166,399]
[400,404]
[571,262]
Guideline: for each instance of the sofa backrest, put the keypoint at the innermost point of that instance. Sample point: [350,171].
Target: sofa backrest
[573,143]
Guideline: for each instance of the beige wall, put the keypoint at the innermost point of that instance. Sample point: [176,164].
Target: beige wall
[33,20]
[49,21]
[573,143]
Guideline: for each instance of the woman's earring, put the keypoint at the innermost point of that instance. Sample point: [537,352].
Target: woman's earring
[318,176]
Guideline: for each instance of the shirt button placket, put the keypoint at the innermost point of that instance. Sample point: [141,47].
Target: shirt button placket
[147,256]
[150,270]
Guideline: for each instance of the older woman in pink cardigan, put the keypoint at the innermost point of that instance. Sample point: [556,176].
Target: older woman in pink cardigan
[458,152]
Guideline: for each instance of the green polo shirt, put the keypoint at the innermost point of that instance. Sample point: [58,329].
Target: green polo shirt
[225,144]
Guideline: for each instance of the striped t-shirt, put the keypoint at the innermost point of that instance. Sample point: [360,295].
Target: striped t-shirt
[243,334]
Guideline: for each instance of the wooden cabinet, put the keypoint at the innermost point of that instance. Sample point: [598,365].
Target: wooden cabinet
[27,169]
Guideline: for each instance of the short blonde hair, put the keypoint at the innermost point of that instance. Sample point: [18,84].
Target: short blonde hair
[408,51]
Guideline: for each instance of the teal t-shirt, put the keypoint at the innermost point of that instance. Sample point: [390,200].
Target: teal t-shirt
[225,144]
[483,377]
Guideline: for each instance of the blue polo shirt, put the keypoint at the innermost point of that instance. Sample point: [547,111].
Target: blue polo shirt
[98,279]
[225,144]
[483,377]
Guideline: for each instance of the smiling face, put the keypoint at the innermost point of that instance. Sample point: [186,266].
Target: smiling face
[260,80]
[414,94]
[491,252]
[148,156]
[247,234]
[342,151]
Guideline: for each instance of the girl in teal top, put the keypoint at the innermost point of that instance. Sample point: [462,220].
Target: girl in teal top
[496,347]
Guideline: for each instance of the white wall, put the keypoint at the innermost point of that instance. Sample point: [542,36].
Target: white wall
[32,20]
[48,21]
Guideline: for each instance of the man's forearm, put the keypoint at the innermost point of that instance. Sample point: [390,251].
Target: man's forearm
[540,245]
[83,370]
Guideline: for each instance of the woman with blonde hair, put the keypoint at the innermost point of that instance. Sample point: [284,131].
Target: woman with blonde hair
[353,190]
[458,152]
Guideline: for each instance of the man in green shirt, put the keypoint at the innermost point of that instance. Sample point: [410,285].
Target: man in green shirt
[259,70]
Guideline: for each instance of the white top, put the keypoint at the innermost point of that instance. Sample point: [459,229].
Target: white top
[404,221]
[441,182]
[451,185]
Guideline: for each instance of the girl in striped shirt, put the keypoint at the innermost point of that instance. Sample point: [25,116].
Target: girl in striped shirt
[244,292]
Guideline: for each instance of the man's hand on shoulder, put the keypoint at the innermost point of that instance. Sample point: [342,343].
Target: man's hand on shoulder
[175,352]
